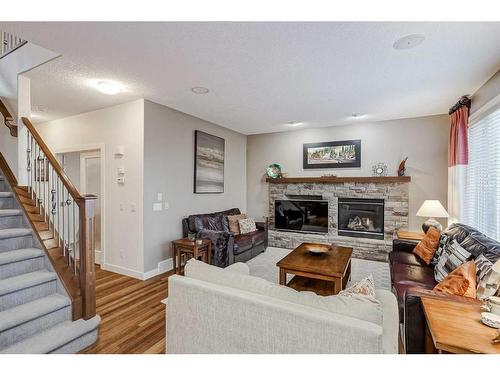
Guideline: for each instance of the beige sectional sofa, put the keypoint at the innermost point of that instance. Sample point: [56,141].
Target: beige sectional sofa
[214,310]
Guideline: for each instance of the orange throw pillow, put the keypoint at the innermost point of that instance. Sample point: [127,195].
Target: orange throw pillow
[461,281]
[426,248]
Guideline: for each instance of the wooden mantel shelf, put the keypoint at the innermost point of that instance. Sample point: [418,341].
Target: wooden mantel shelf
[337,180]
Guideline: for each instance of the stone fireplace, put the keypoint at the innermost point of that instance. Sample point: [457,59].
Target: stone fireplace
[363,213]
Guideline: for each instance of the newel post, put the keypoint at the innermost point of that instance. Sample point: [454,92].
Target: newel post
[87,267]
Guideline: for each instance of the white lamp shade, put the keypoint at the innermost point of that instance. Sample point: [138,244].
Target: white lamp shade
[432,208]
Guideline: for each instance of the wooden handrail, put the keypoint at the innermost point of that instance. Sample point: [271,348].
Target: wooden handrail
[85,203]
[8,119]
[53,160]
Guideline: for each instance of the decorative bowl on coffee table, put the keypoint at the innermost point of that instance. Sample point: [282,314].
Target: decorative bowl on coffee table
[318,249]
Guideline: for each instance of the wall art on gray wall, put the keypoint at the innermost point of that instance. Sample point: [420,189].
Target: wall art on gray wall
[337,154]
[208,163]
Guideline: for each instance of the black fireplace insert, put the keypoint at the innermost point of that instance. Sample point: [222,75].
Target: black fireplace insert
[301,215]
[361,217]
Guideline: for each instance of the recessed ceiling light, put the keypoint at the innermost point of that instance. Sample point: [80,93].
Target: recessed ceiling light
[294,123]
[108,88]
[409,41]
[200,90]
[357,116]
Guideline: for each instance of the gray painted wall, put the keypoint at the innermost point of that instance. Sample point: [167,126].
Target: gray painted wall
[424,140]
[168,169]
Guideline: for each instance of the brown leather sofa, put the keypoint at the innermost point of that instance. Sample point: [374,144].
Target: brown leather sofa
[240,248]
[411,278]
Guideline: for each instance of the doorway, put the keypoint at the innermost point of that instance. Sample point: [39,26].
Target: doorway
[90,181]
[85,168]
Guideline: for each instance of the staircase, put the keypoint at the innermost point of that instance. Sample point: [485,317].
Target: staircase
[35,311]
[47,278]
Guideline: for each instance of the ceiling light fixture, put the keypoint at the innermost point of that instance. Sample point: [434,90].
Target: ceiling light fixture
[357,116]
[200,90]
[294,123]
[108,88]
[408,41]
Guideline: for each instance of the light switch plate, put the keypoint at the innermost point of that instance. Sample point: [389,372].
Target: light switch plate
[167,205]
[159,197]
[157,207]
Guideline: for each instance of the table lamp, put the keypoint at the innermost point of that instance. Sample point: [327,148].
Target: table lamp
[431,209]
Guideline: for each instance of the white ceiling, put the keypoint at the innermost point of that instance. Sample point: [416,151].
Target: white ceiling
[263,75]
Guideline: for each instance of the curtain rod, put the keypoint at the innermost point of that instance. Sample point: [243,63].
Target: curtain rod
[463,101]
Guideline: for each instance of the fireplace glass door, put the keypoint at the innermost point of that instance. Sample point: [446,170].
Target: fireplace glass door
[359,217]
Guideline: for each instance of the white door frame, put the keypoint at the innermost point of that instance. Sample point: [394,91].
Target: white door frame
[99,148]
[84,155]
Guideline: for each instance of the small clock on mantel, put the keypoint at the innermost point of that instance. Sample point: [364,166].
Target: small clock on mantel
[379,170]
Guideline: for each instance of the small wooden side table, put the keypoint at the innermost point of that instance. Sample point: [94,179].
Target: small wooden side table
[185,248]
[455,327]
[407,235]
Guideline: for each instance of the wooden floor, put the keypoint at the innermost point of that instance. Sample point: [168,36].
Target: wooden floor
[133,317]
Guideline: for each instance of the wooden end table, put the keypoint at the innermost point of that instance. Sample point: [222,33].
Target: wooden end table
[186,249]
[324,274]
[455,327]
[407,235]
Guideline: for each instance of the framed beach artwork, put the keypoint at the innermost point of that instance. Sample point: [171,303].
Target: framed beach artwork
[336,154]
[208,163]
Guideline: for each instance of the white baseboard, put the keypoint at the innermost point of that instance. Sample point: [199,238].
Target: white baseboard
[123,271]
[163,266]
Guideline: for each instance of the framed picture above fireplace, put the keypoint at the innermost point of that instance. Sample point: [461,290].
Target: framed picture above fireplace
[335,154]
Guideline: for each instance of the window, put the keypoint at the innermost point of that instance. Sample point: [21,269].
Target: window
[482,193]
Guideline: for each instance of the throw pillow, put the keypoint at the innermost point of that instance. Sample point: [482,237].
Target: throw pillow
[443,240]
[488,282]
[461,281]
[234,226]
[364,287]
[452,257]
[247,225]
[426,248]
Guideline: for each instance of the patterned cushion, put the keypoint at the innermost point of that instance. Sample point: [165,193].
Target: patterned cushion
[247,225]
[452,257]
[488,282]
[365,287]
[443,240]
[234,226]
[483,267]
[461,281]
[426,248]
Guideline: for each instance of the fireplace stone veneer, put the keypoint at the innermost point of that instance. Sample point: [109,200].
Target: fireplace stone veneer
[394,194]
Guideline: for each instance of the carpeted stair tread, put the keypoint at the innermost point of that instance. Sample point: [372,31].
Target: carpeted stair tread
[50,340]
[19,255]
[6,194]
[10,212]
[24,313]
[14,232]
[26,280]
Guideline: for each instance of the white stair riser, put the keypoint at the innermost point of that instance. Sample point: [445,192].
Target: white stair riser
[32,327]
[19,297]
[21,267]
[14,243]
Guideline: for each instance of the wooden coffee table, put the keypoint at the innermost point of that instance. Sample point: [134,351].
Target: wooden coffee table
[324,274]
